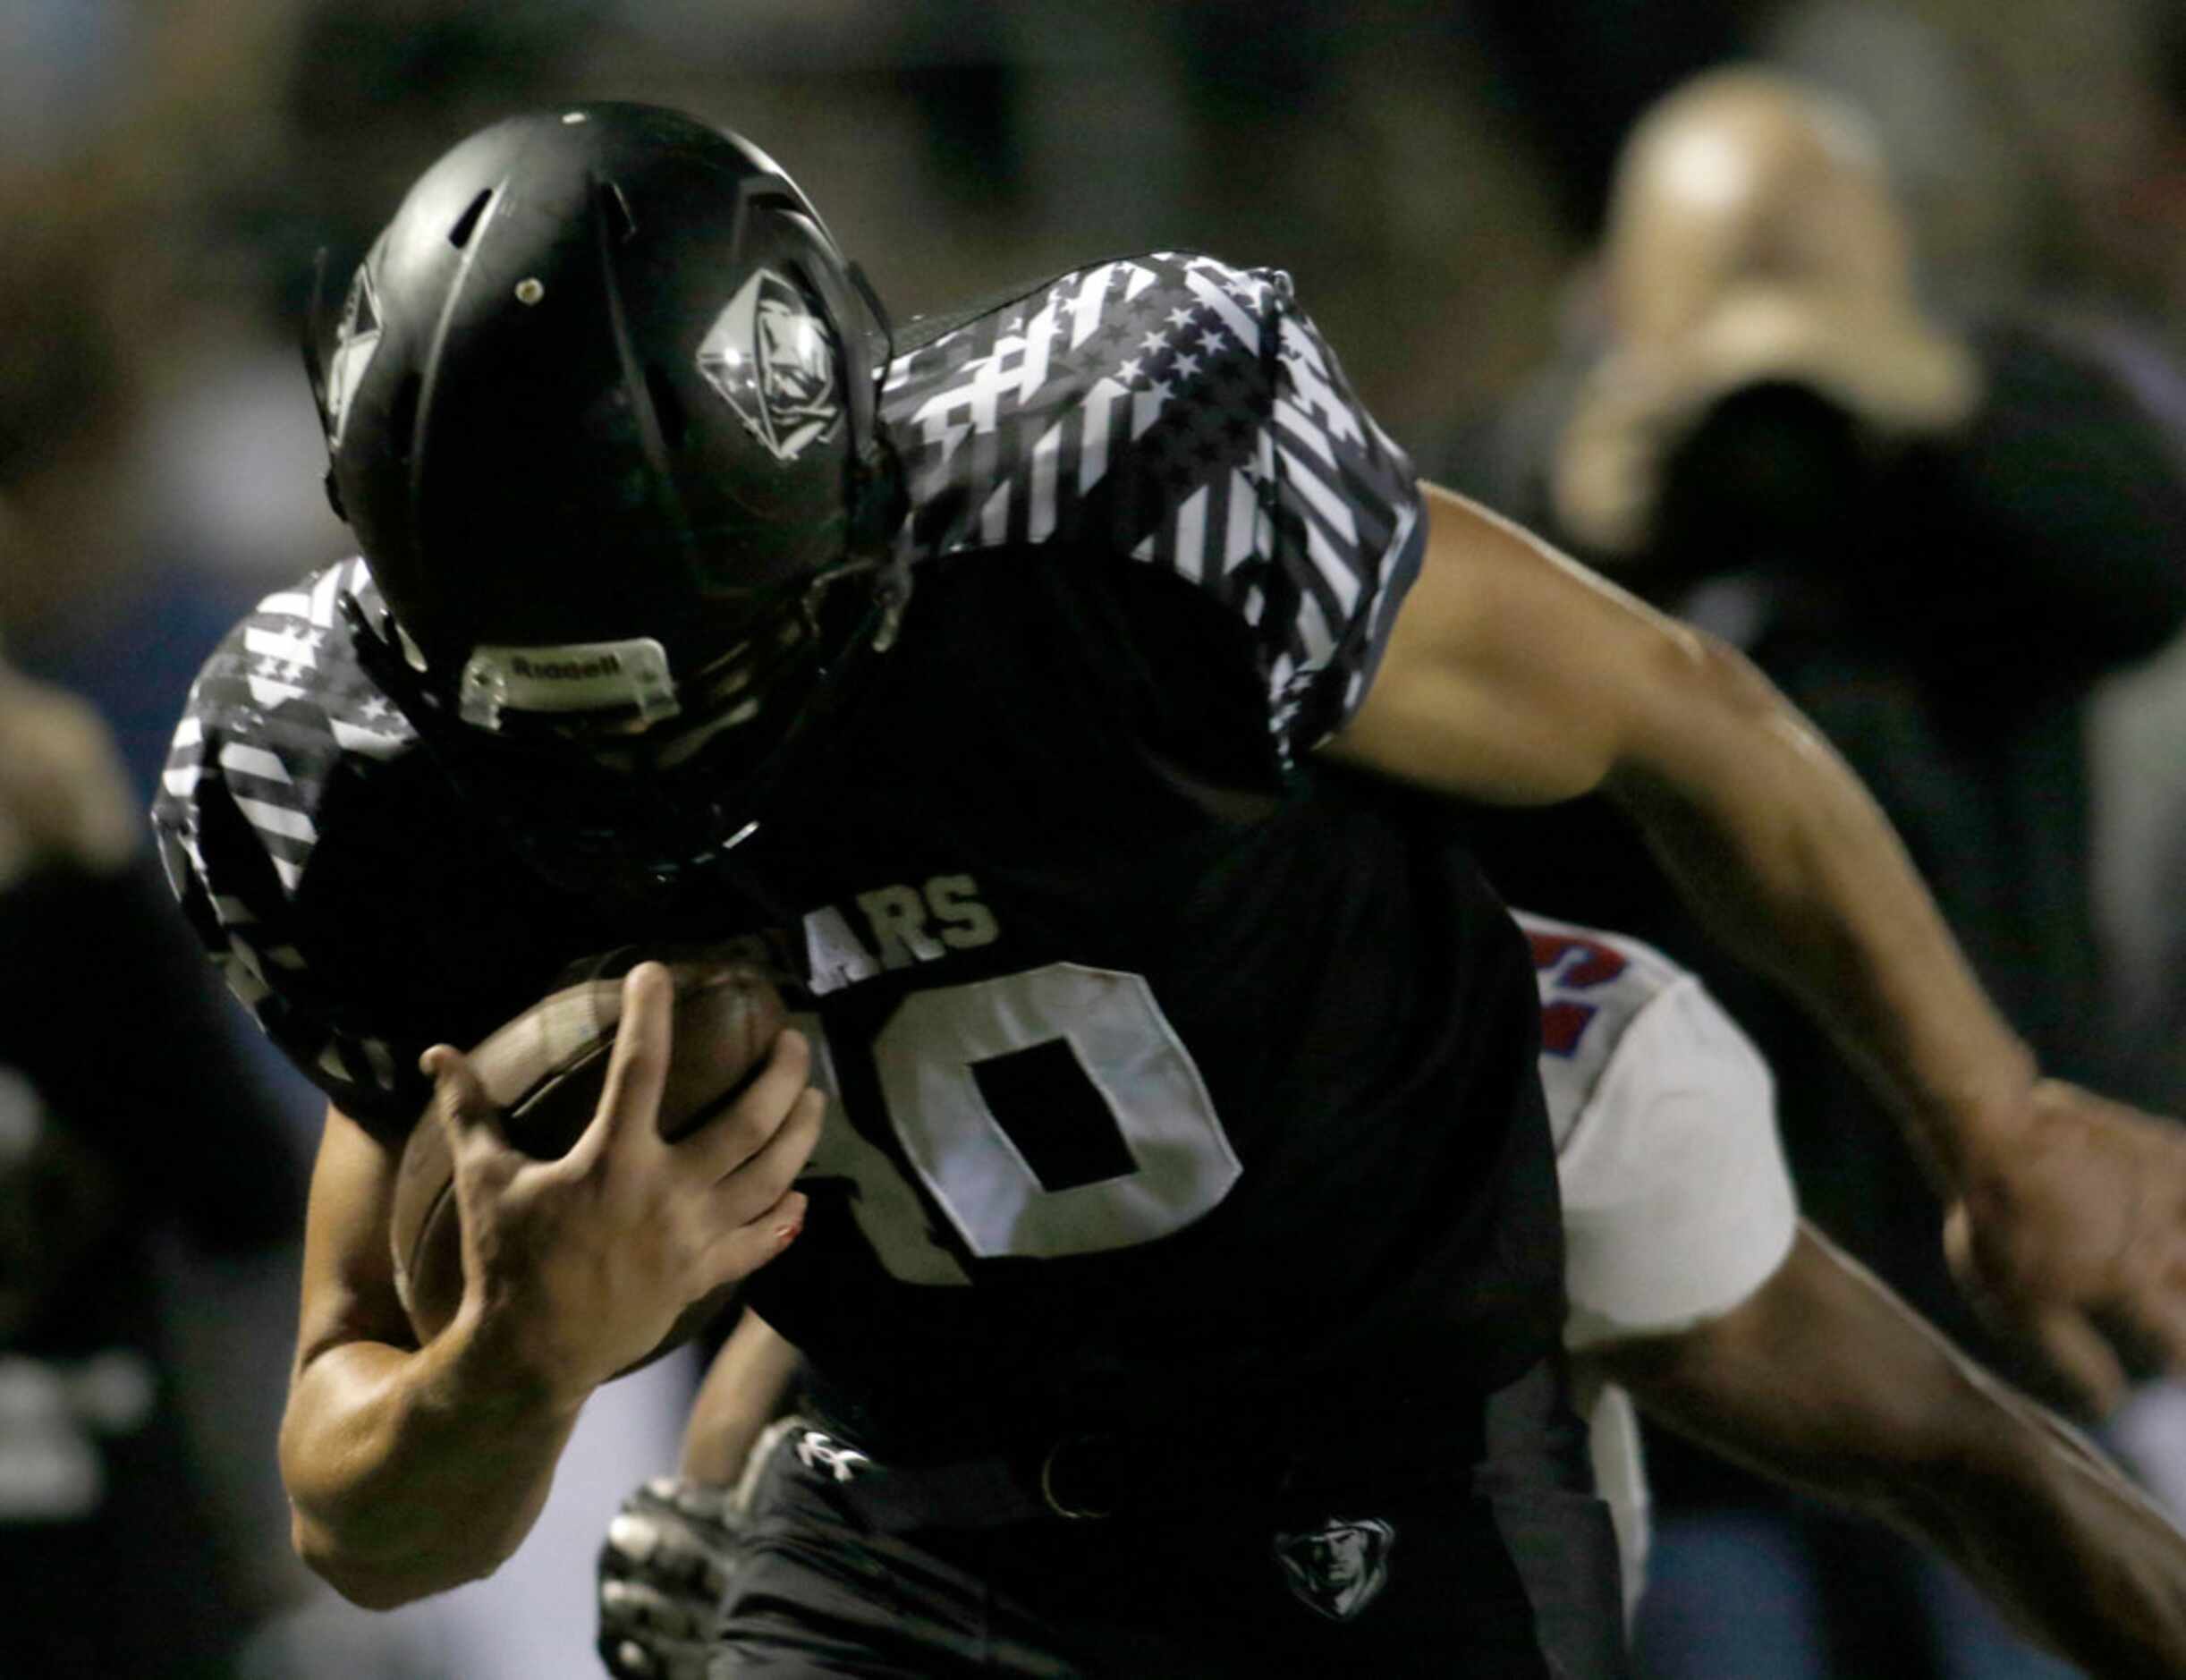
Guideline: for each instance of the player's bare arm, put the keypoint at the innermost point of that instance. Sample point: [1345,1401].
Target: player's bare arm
[745,1389]
[383,1436]
[1905,1429]
[1512,674]
[1516,676]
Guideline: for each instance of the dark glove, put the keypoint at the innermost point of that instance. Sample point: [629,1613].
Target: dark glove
[662,1572]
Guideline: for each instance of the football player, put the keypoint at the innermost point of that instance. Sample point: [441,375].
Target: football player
[1692,1282]
[1065,693]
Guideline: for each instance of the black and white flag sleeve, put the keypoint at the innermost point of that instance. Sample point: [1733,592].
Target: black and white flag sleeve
[269,722]
[1182,413]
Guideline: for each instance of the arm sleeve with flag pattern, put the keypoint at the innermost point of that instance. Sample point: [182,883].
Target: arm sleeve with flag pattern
[269,721]
[1174,411]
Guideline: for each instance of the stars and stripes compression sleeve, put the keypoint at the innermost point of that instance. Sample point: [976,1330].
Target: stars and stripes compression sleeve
[273,713]
[1175,411]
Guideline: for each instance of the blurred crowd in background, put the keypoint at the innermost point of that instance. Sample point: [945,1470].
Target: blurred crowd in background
[1444,183]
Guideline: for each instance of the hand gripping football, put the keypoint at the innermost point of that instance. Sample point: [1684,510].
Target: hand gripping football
[545,1071]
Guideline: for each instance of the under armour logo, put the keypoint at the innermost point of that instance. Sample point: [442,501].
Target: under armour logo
[816,1451]
[1340,1569]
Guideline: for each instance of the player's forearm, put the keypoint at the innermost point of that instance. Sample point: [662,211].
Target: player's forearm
[2061,1539]
[412,1472]
[1780,851]
[2057,1539]
[746,1388]
[1823,1379]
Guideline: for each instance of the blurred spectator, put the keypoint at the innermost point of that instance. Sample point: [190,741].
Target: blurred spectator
[1982,212]
[1935,536]
[1575,73]
[2162,1036]
[2143,720]
[122,1113]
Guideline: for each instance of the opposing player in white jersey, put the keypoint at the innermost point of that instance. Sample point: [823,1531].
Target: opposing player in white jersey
[1692,1284]
[1677,1204]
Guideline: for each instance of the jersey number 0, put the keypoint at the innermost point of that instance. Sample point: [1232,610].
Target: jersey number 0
[1048,1113]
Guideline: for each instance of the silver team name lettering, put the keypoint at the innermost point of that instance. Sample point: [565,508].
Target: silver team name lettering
[895,927]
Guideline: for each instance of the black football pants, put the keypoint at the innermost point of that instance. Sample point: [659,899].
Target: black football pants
[1502,1566]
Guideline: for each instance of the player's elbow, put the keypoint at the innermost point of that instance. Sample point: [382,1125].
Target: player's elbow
[372,1583]
[366,1587]
[1698,687]
[380,1553]
[1713,755]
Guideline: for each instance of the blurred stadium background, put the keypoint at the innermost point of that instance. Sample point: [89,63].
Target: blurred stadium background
[1434,175]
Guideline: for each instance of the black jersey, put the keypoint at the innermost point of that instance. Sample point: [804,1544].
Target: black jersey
[1173,1069]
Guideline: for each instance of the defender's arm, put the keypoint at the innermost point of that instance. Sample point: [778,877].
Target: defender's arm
[746,1388]
[1825,1381]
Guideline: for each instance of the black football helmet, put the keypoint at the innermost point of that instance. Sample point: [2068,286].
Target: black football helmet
[600,407]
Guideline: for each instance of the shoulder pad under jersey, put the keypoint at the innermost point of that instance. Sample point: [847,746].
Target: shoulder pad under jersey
[1173,410]
[278,711]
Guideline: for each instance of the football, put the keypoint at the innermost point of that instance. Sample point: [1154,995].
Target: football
[545,1071]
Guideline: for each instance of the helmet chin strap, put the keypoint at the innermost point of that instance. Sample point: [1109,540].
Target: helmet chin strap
[314,335]
[892,595]
[667,825]
[512,783]
[379,654]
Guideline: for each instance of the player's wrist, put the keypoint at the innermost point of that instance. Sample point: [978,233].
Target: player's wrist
[493,1357]
[1977,1123]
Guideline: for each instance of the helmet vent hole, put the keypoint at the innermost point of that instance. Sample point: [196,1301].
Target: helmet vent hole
[402,417]
[467,223]
[667,406]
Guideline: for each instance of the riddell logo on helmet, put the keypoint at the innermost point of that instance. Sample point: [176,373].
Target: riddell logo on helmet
[564,670]
[569,677]
[774,359]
